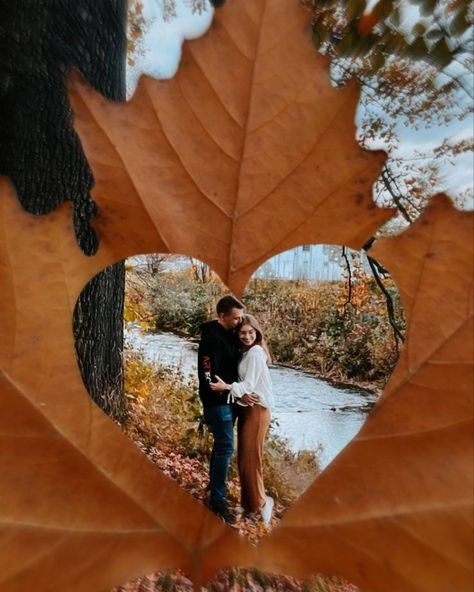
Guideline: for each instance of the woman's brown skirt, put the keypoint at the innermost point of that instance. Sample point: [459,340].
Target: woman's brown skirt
[252,427]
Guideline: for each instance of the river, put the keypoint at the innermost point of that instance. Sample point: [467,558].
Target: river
[309,412]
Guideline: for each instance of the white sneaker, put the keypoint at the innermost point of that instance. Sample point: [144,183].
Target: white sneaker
[267,510]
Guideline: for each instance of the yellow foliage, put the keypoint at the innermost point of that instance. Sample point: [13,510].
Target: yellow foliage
[135,311]
[138,377]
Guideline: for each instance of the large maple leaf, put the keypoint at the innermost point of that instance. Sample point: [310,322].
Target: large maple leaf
[76,496]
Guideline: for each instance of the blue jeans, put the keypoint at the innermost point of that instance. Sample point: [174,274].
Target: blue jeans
[220,420]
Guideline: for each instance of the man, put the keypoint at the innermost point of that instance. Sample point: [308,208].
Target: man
[219,354]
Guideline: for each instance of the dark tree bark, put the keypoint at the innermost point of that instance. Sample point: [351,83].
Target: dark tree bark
[98,331]
[40,41]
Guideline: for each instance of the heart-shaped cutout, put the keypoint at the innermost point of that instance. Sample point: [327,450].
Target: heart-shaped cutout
[327,326]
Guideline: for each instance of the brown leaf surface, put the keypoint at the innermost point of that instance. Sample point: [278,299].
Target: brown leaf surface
[246,153]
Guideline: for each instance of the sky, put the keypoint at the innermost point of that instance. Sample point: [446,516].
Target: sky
[158,51]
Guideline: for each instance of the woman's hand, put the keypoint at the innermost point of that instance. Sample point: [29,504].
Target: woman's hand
[250,399]
[220,385]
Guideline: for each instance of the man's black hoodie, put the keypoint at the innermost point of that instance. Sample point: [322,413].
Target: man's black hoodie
[218,354]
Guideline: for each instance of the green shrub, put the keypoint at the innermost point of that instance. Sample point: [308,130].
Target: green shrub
[180,303]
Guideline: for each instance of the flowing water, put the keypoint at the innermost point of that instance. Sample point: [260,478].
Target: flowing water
[309,412]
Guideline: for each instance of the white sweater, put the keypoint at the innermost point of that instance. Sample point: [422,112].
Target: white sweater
[254,377]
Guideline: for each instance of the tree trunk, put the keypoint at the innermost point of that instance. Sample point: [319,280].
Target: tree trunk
[98,331]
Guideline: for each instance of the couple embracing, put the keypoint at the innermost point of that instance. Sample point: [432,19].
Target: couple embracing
[235,386]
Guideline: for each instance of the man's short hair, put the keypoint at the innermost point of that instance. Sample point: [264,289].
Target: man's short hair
[227,303]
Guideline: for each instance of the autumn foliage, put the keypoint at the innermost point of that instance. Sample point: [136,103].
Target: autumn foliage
[316,327]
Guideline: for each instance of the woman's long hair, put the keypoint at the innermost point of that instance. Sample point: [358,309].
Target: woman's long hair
[249,319]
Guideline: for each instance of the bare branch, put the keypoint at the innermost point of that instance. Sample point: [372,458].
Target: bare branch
[349,279]
[389,301]
[387,181]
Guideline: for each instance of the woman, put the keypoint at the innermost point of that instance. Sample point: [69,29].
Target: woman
[253,421]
